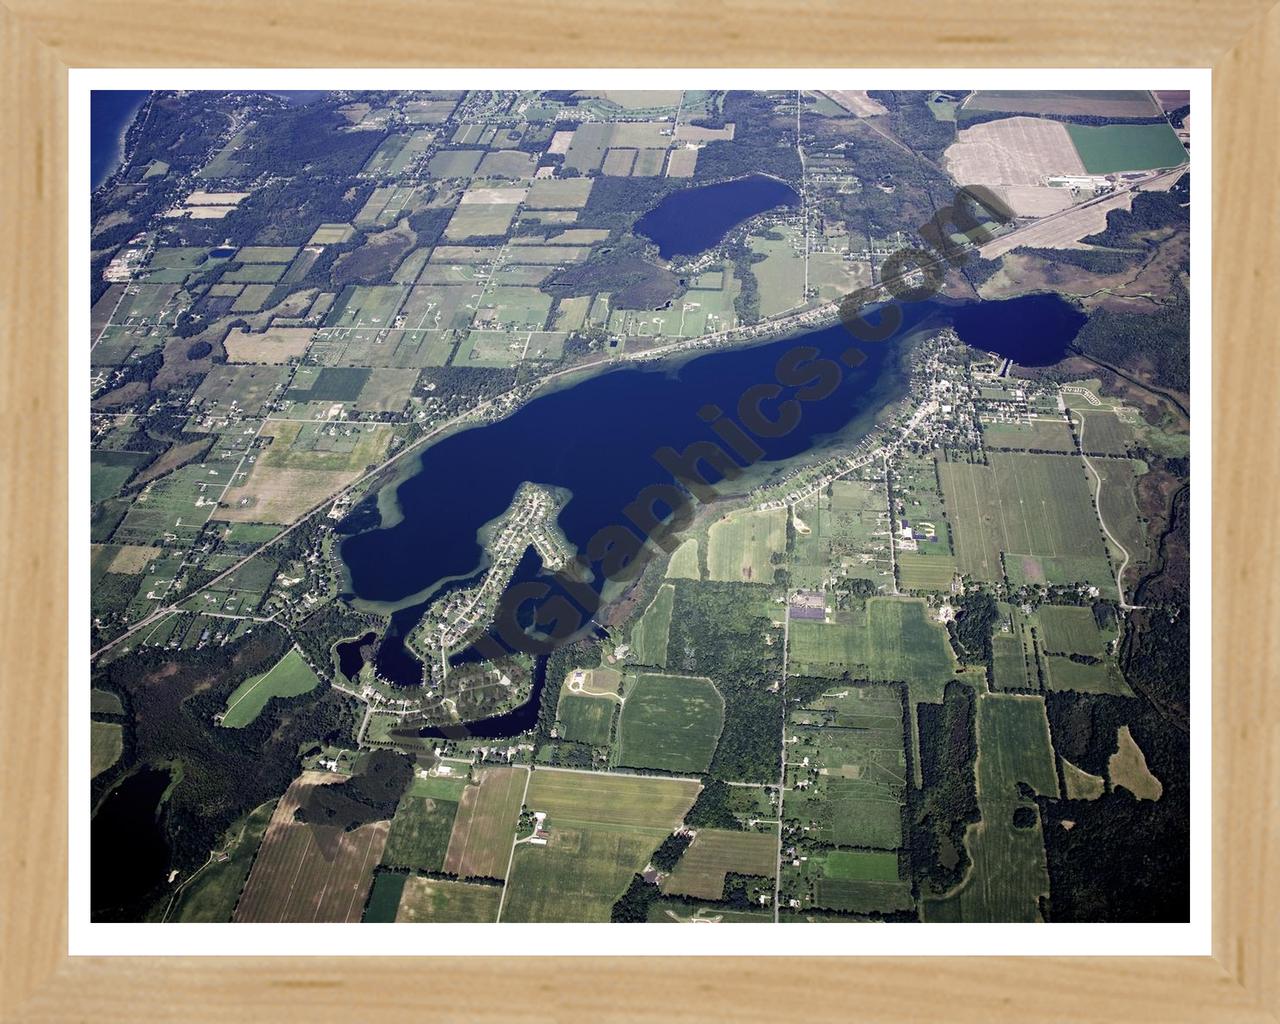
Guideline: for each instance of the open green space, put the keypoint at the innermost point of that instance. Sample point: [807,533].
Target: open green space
[290,677]
[671,723]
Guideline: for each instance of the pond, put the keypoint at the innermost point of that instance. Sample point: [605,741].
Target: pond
[130,856]
[693,220]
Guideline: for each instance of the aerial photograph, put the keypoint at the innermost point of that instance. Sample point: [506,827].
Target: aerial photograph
[673,506]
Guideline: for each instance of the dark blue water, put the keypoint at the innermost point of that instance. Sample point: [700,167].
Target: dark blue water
[110,113]
[597,440]
[694,219]
[1032,330]
[130,856]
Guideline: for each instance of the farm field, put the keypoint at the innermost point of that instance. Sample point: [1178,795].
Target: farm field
[290,677]
[106,741]
[700,871]
[603,829]
[1126,147]
[420,833]
[926,572]
[311,873]
[1009,872]
[480,843]
[1092,102]
[891,639]
[741,547]
[669,722]
[649,635]
[440,901]
[585,719]
[1035,510]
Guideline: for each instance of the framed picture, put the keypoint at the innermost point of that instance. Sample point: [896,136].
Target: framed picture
[524,502]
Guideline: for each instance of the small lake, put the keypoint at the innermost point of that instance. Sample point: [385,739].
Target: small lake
[693,220]
[130,857]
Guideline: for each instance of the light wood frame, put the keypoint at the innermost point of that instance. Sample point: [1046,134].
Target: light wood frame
[41,39]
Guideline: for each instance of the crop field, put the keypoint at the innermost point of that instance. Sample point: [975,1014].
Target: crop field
[682,163]
[479,220]
[1103,431]
[559,194]
[277,345]
[741,546]
[458,163]
[1071,630]
[891,639]
[1012,151]
[1061,673]
[108,472]
[332,234]
[1126,147]
[244,389]
[578,875]
[1009,873]
[713,853]
[106,743]
[1094,102]
[671,723]
[585,719]
[311,873]
[485,825]
[595,798]
[1118,506]
[1046,434]
[1033,505]
[290,677]
[603,830]
[438,901]
[420,832]
[780,276]
[925,572]
[1127,767]
[649,635]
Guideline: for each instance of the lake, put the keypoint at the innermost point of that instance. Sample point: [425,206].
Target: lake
[110,114]
[130,857]
[693,220]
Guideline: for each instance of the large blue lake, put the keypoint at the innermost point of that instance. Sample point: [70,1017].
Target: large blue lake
[597,439]
[110,113]
[692,220]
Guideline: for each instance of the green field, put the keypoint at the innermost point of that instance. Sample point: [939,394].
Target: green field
[420,833]
[649,635]
[578,875]
[1126,147]
[211,894]
[1009,873]
[1033,509]
[585,719]
[742,545]
[1050,434]
[926,572]
[1071,630]
[603,829]
[384,897]
[105,702]
[595,798]
[290,677]
[684,562]
[671,723]
[106,742]
[891,639]
[446,902]
[714,852]
[108,472]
